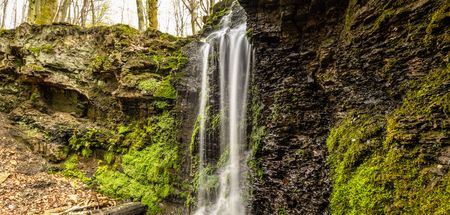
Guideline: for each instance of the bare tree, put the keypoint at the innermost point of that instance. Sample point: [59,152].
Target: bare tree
[192,6]
[63,10]
[180,17]
[4,10]
[84,12]
[140,14]
[15,14]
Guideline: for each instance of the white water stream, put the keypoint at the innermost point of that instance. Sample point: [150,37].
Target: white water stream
[234,63]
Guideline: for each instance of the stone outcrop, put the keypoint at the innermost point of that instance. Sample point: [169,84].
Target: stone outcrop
[97,101]
[319,63]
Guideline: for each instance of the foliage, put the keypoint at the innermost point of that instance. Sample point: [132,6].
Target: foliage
[149,85]
[148,175]
[165,89]
[71,170]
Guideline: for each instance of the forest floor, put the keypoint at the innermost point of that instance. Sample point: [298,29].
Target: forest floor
[26,186]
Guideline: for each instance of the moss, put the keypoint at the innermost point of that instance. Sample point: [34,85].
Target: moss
[84,142]
[149,85]
[4,32]
[47,48]
[162,105]
[388,164]
[33,68]
[71,169]
[162,89]
[149,175]
[382,19]
[436,22]
[281,211]
[257,134]
[165,89]
[101,63]
[213,19]
[215,121]
[194,135]
[347,35]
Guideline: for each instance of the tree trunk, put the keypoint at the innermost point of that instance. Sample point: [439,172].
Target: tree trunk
[211,6]
[194,16]
[93,12]
[63,10]
[31,11]
[152,13]
[5,7]
[140,13]
[42,12]
[84,10]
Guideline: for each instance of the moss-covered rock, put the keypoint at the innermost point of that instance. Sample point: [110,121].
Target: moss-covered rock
[397,163]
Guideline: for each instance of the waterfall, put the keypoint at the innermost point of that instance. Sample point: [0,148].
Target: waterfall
[230,49]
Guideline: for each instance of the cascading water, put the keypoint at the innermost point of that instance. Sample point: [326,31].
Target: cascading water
[233,58]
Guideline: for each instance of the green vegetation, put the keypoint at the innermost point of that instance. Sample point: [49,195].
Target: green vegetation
[388,164]
[257,134]
[148,175]
[436,21]
[101,63]
[149,85]
[165,89]
[71,169]
[46,48]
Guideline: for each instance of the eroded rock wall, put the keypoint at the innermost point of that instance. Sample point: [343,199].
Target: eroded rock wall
[105,105]
[319,63]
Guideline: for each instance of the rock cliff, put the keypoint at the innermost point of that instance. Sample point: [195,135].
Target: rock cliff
[350,106]
[102,104]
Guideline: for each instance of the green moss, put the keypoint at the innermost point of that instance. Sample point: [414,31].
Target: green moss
[4,32]
[388,164]
[84,142]
[162,89]
[149,85]
[346,33]
[33,68]
[281,211]
[47,48]
[125,29]
[165,89]
[257,134]
[382,19]
[168,61]
[215,121]
[162,105]
[71,169]
[194,135]
[149,175]
[101,63]
[436,22]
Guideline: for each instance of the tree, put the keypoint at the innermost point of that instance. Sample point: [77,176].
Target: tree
[180,17]
[198,9]
[63,10]
[42,11]
[84,12]
[140,14]
[5,6]
[192,6]
[152,14]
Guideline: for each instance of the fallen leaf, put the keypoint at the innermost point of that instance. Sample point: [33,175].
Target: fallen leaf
[3,177]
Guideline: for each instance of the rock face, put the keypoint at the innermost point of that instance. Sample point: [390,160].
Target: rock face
[326,69]
[110,95]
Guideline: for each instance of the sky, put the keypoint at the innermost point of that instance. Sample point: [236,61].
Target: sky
[165,13]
